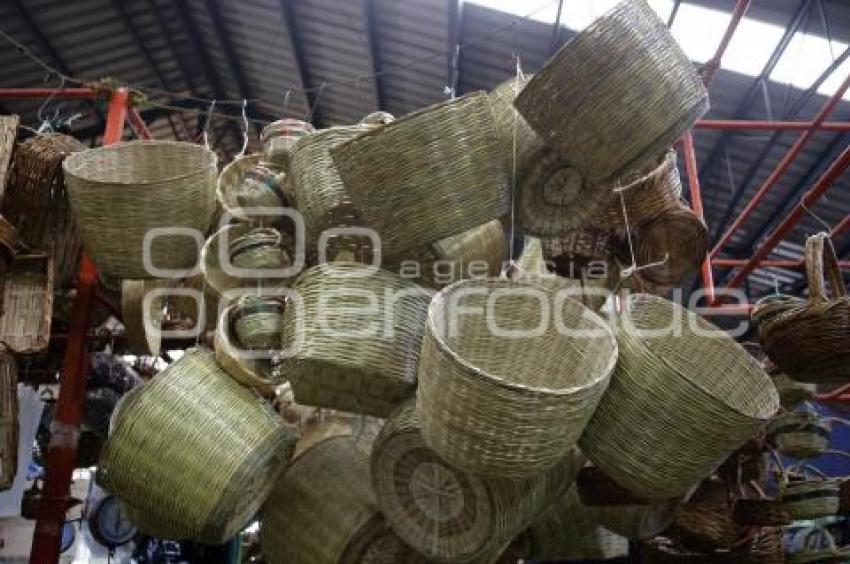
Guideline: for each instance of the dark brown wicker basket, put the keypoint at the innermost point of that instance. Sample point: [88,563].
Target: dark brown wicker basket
[761,512]
[678,240]
[8,418]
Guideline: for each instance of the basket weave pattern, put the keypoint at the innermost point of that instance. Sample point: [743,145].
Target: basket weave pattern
[8,418]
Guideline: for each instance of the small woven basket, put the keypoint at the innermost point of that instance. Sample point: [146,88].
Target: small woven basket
[279,137]
[644,90]
[432,174]
[811,498]
[445,513]
[248,371]
[671,357]
[772,307]
[247,183]
[260,248]
[258,322]
[139,339]
[477,252]
[507,394]
[356,338]
[791,392]
[820,554]
[322,508]
[27,301]
[8,418]
[811,341]
[799,434]
[121,192]
[192,453]
[678,240]
[518,141]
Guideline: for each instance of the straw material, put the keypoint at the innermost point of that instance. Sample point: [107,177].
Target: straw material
[811,341]
[509,402]
[645,198]
[27,304]
[192,453]
[683,397]
[8,133]
[120,192]
[799,435]
[771,307]
[705,525]
[133,292]
[761,512]
[258,322]
[246,182]
[432,174]
[252,372]
[791,392]
[8,418]
[580,244]
[260,248]
[10,243]
[279,137]
[644,90]
[322,508]
[360,338]
[525,144]
[637,522]
[678,239]
[477,252]
[445,513]
[36,202]
[811,499]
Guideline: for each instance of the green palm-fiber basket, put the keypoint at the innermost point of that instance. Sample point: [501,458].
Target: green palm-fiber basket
[322,508]
[478,252]
[516,148]
[617,95]
[247,182]
[799,434]
[506,386]
[193,453]
[445,513]
[432,174]
[684,395]
[675,243]
[353,342]
[258,322]
[142,338]
[122,192]
[249,371]
[278,139]
[812,498]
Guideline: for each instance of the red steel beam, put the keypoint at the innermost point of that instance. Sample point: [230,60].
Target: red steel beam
[713,64]
[50,93]
[138,124]
[844,264]
[696,204]
[832,174]
[783,166]
[735,125]
[65,430]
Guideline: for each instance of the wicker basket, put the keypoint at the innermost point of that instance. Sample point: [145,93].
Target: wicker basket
[671,357]
[8,418]
[36,202]
[255,373]
[761,513]
[644,90]
[258,322]
[432,174]
[27,304]
[820,554]
[799,434]
[8,133]
[10,244]
[361,334]
[677,239]
[771,307]
[649,196]
[279,137]
[579,245]
[791,392]
[138,339]
[192,453]
[121,192]
[811,342]
[811,498]
[447,514]
[322,508]
[705,525]
[509,402]
[247,183]
[518,141]
[477,252]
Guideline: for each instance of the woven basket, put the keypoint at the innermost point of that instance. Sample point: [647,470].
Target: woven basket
[705,526]
[799,434]
[792,392]
[279,137]
[671,357]
[36,202]
[194,454]
[761,512]
[811,342]
[772,307]
[644,90]
[260,248]
[596,489]
[120,192]
[432,174]
[8,418]
[27,304]
[258,322]
[580,244]
[247,183]
[812,498]
[820,554]
[252,372]
[518,141]
[649,196]
[322,508]
[138,339]
[8,133]
[10,244]
[678,239]
[509,405]
[362,335]
[445,513]
[477,252]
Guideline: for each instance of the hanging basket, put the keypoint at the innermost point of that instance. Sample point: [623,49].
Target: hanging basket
[799,434]
[356,338]
[255,373]
[432,174]
[811,341]
[509,403]
[791,392]
[671,357]
[246,182]
[581,245]
[445,513]
[8,418]
[636,522]
[518,141]
[278,139]
[192,453]
[121,192]
[617,95]
[645,198]
[477,252]
[258,322]
[36,202]
[811,498]
[27,304]
[678,240]
[8,133]
[10,244]
[139,339]
[322,508]
[772,307]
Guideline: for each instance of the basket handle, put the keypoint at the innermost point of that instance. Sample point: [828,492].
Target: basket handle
[821,260]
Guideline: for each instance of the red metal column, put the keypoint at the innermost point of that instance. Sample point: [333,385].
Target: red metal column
[138,124]
[844,264]
[713,64]
[62,450]
[696,204]
[738,125]
[48,93]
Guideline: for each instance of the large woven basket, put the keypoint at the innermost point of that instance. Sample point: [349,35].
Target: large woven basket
[799,434]
[36,202]
[675,242]
[246,369]
[445,513]
[322,508]
[192,453]
[508,393]
[617,95]
[27,301]
[432,174]
[811,341]
[518,141]
[139,338]
[683,397]
[8,418]
[121,192]
[356,338]
[246,183]
[8,133]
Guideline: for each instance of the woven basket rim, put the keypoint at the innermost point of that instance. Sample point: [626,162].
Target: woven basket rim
[72,159]
[222,187]
[444,348]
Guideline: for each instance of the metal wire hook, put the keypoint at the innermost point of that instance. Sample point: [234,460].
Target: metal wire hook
[207,124]
[45,123]
[245,127]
